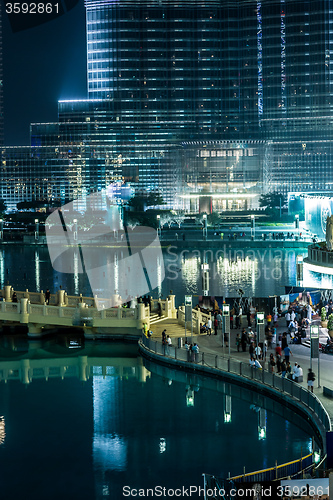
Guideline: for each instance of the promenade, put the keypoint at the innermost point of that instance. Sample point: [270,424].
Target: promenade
[212,344]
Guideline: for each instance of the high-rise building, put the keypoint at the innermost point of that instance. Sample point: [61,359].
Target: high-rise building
[1,83]
[212,99]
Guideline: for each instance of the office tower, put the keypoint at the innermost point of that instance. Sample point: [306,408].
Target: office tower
[209,102]
[1,82]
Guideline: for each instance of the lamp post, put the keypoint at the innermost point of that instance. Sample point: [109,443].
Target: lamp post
[36,229]
[299,270]
[260,325]
[75,229]
[297,225]
[1,229]
[314,351]
[204,230]
[205,279]
[158,217]
[226,323]
[253,227]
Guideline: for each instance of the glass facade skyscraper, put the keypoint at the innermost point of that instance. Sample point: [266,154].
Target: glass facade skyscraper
[213,98]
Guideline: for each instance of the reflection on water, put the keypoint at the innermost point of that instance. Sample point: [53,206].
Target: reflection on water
[85,421]
[258,272]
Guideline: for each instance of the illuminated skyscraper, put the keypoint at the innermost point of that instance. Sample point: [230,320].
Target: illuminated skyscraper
[212,99]
[1,82]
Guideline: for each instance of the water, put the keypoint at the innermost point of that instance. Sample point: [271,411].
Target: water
[258,272]
[106,421]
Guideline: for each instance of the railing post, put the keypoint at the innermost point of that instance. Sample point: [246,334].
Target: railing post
[240,368]
[203,358]
[228,364]
[176,352]
[276,470]
[216,361]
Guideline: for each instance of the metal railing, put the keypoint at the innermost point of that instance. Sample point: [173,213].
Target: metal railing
[234,366]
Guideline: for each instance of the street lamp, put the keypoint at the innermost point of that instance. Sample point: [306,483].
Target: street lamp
[36,229]
[253,227]
[297,225]
[1,229]
[75,229]
[205,279]
[226,323]
[314,351]
[299,270]
[158,217]
[260,325]
[205,226]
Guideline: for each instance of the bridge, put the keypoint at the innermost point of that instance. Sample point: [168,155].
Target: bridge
[65,311]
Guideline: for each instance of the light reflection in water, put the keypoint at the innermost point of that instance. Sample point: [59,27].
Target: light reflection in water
[2,267]
[37,271]
[76,274]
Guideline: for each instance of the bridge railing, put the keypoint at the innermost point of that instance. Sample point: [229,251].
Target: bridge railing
[233,365]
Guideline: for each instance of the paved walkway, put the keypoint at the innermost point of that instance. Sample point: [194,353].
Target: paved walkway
[300,353]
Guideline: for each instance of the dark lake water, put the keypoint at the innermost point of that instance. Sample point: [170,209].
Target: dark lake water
[84,422]
[258,272]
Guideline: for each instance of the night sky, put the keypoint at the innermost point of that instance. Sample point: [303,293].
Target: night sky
[40,66]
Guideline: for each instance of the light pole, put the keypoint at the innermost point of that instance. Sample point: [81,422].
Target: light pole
[1,229]
[314,351]
[205,279]
[36,229]
[75,229]
[205,226]
[226,323]
[260,325]
[158,217]
[299,270]
[297,225]
[253,227]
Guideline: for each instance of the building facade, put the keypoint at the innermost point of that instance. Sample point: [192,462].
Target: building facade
[197,98]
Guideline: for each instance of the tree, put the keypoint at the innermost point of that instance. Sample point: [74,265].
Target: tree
[3,206]
[213,219]
[140,201]
[272,200]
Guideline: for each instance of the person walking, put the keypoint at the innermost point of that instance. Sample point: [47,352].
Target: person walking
[238,341]
[47,296]
[287,353]
[272,362]
[311,379]
[209,327]
[243,340]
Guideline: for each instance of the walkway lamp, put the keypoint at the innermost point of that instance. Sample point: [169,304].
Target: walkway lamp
[226,323]
[253,227]
[158,217]
[299,270]
[260,325]
[205,278]
[36,229]
[75,229]
[297,225]
[204,230]
[314,351]
[1,229]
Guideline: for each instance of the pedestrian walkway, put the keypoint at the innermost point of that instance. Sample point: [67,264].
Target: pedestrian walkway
[299,353]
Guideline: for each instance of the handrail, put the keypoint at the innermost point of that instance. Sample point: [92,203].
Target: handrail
[276,468]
